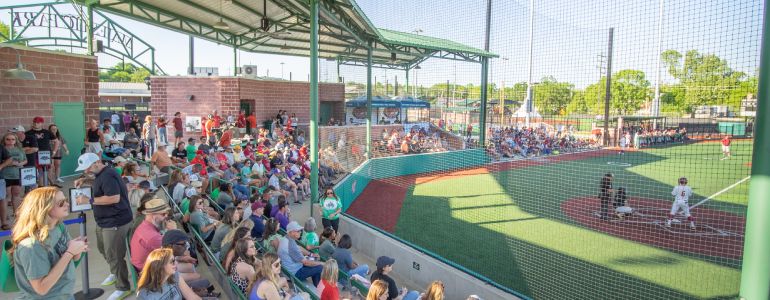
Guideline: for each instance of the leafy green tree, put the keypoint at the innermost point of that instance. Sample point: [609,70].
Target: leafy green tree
[5,33]
[578,104]
[552,96]
[630,89]
[124,72]
[706,78]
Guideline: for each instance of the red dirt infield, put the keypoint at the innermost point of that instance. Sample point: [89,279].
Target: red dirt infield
[718,233]
[381,201]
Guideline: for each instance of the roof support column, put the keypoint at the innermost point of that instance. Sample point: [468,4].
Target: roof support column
[89,29]
[755,276]
[235,60]
[313,102]
[339,75]
[407,81]
[369,100]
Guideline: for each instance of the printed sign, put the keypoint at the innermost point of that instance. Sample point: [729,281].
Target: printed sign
[80,199]
[44,158]
[28,176]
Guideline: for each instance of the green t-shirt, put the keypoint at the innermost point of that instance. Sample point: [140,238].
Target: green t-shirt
[310,239]
[33,260]
[12,172]
[185,205]
[119,170]
[329,206]
[191,152]
[266,243]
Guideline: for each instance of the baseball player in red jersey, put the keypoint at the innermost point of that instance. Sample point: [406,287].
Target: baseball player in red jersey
[726,147]
[682,194]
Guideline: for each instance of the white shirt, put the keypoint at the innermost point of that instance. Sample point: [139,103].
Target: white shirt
[682,193]
[274,182]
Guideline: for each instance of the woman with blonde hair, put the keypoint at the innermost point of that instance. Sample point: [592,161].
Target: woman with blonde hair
[435,291]
[378,291]
[328,286]
[160,280]
[268,284]
[43,252]
[10,173]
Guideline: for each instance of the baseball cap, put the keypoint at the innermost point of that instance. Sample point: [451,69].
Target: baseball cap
[174,236]
[86,160]
[17,128]
[119,159]
[383,261]
[155,206]
[38,119]
[147,185]
[293,226]
[257,204]
[196,184]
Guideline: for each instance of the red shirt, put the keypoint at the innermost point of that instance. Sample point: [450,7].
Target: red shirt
[726,141]
[241,121]
[330,292]
[146,238]
[224,141]
[217,120]
[200,161]
[178,124]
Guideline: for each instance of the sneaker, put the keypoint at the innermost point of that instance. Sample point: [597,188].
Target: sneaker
[118,295]
[692,226]
[110,280]
[668,224]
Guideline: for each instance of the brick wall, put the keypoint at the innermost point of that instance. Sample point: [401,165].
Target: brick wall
[61,77]
[169,95]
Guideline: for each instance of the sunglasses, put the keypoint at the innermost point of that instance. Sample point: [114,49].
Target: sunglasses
[173,260]
[277,264]
[63,203]
[181,244]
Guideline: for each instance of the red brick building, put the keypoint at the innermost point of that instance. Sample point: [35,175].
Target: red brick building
[198,96]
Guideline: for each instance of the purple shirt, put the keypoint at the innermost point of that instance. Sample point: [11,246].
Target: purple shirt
[282,219]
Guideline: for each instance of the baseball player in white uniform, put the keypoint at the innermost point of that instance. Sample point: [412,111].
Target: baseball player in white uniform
[682,194]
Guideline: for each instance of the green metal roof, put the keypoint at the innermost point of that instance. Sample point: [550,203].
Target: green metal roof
[344,30]
[427,42]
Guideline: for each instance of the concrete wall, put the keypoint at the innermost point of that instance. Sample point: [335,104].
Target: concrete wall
[61,77]
[225,94]
[457,284]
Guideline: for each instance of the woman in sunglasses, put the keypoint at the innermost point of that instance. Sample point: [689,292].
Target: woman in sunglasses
[43,252]
[160,280]
[331,209]
[268,284]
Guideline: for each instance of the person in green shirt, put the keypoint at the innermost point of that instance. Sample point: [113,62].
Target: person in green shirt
[43,252]
[191,149]
[331,208]
[310,237]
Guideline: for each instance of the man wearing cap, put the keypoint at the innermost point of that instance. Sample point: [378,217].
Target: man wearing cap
[257,210]
[113,216]
[179,243]
[384,267]
[147,236]
[44,138]
[296,259]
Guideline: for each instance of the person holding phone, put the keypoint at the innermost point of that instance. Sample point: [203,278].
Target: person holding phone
[43,251]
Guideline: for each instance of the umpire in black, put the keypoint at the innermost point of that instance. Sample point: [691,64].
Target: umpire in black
[605,195]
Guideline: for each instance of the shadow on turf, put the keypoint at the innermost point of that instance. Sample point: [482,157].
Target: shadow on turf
[647,260]
[507,221]
[533,270]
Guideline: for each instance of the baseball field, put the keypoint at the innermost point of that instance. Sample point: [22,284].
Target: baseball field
[532,224]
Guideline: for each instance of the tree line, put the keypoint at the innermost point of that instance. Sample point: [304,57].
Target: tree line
[701,79]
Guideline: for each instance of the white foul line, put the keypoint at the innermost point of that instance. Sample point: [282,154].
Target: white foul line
[720,192]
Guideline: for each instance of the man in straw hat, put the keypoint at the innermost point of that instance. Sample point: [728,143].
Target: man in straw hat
[147,236]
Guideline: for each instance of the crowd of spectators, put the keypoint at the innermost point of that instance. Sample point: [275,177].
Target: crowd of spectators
[647,137]
[510,142]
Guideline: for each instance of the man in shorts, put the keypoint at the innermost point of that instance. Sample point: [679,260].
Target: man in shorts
[178,128]
[682,194]
[725,147]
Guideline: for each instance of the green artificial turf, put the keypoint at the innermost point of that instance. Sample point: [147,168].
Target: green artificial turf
[508,226]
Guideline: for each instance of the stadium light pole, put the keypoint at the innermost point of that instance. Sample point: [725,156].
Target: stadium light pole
[313,102]
[755,274]
[656,101]
[528,100]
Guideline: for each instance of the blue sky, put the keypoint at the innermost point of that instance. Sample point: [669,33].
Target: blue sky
[569,37]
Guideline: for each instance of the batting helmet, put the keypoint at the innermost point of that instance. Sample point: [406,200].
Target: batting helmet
[683,180]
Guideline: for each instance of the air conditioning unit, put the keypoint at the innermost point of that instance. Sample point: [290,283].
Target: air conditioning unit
[249,71]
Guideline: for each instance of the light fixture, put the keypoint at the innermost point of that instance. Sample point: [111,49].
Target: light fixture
[19,72]
[221,24]
[147,82]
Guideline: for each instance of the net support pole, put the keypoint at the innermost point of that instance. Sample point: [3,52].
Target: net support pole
[369,100]
[89,28]
[608,90]
[407,82]
[484,80]
[313,102]
[755,274]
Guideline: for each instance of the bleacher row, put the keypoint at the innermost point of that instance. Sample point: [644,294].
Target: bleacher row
[229,289]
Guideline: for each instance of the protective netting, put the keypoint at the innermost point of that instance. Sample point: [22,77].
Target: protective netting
[529,214]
